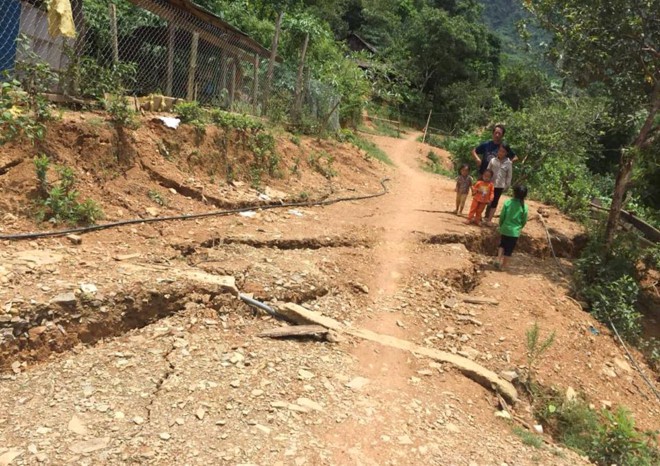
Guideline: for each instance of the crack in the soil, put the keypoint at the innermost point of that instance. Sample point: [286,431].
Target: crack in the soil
[171,368]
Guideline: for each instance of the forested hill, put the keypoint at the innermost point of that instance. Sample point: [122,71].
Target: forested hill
[502,17]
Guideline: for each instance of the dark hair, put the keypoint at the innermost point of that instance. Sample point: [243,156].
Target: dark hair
[520,193]
[488,170]
[465,165]
[500,126]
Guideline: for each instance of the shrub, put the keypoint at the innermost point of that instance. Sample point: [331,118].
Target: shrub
[190,113]
[322,162]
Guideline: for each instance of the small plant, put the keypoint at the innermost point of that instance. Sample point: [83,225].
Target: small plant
[121,114]
[322,162]
[59,202]
[535,349]
[295,139]
[528,438]
[190,113]
[157,197]
[41,166]
[295,170]
[434,165]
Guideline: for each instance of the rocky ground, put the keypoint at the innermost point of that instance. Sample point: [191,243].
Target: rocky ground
[133,348]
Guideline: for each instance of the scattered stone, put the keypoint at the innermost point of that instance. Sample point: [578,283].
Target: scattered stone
[357,383]
[43,430]
[571,394]
[89,446]
[164,436]
[154,212]
[305,374]
[623,365]
[279,404]
[88,288]
[450,303]
[76,426]
[235,383]
[450,330]
[200,413]
[119,415]
[138,420]
[469,352]
[75,239]
[503,414]
[538,428]
[509,376]
[257,392]
[309,404]
[64,298]
[608,372]
[263,429]
[361,287]
[236,358]
[606,404]
[7,457]
[452,428]
[404,440]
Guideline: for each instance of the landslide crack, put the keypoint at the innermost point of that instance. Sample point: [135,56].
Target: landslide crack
[170,369]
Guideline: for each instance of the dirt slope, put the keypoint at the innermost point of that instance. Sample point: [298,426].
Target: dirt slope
[167,369]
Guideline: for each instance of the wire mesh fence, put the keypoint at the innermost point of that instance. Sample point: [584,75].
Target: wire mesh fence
[143,47]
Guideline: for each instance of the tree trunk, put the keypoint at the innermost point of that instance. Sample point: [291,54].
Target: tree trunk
[271,62]
[297,105]
[626,166]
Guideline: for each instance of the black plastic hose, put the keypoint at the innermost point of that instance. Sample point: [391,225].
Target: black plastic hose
[215,213]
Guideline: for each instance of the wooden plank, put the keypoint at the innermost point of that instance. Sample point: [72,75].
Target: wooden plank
[483,376]
[171,31]
[192,67]
[478,300]
[294,331]
[113,33]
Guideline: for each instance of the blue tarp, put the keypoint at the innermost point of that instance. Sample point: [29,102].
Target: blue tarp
[10,17]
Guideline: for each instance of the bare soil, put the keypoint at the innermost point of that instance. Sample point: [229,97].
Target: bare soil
[157,363]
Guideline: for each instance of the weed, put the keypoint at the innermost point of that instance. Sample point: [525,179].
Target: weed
[434,165]
[157,197]
[190,113]
[295,139]
[528,438]
[535,349]
[606,438]
[371,149]
[322,162]
[295,170]
[304,195]
[121,114]
[59,202]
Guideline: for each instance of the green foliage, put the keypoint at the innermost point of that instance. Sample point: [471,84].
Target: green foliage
[59,202]
[121,114]
[606,280]
[157,197]
[519,83]
[606,438]
[528,438]
[435,165]
[322,162]
[96,80]
[371,149]
[190,113]
[536,348]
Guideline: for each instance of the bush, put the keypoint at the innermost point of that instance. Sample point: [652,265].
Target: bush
[606,438]
[190,113]
[59,202]
[606,280]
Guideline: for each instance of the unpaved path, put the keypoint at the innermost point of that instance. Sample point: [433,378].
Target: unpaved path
[199,387]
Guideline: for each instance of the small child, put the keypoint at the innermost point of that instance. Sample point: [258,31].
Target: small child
[482,195]
[512,220]
[463,185]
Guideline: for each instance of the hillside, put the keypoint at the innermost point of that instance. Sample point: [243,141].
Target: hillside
[130,345]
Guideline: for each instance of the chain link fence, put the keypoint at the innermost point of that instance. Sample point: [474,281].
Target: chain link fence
[168,47]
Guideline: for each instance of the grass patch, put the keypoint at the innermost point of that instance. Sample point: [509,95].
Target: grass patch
[434,165]
[528,438]
[372,150]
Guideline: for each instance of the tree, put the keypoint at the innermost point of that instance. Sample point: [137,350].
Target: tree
[616,43]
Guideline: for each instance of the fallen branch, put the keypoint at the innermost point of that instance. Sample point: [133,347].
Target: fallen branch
[295,331]
[470,369]
[478,300]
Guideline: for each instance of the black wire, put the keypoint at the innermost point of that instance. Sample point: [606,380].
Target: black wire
[215,213]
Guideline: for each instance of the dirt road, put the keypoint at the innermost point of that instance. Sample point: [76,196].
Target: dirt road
[178,375]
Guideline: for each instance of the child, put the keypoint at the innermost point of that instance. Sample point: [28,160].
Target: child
[463,185]
[482,195]
[502,173]
[512,220]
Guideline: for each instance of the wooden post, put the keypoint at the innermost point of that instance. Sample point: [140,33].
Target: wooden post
[113,33]
[192,66]
[426,128]
[297,106]
[273,56]
[255,83]
[232,84]
[171,31]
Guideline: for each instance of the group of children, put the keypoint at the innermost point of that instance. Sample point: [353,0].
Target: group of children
[486,192]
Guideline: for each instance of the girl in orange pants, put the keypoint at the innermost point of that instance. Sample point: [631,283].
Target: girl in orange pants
[482,195]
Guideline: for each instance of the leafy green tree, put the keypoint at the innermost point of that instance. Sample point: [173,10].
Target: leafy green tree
[615,43]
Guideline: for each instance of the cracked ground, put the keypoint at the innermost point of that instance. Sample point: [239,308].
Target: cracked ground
[156,367]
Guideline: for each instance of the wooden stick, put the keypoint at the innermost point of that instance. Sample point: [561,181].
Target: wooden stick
[255,84]
[192,66]
[478,300]
[171,31]
[113,33]
[426,128]
[294,331]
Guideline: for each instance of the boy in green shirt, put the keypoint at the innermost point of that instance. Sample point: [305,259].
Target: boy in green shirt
[512,220]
